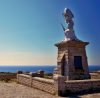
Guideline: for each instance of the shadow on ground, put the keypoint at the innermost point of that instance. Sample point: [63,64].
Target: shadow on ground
[78,95]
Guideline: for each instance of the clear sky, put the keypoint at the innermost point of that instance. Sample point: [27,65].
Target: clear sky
[30,28]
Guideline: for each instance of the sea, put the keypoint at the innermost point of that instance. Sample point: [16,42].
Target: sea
[35,68]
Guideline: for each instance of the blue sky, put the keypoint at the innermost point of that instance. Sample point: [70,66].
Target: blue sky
[30,28]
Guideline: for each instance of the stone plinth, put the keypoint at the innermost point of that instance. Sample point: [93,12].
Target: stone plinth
[72,60]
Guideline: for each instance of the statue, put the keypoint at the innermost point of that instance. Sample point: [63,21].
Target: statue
[69,31]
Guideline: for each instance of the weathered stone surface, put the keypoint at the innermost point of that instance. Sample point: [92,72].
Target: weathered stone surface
[43,84]
[69,49]
[82,85]
[59,85]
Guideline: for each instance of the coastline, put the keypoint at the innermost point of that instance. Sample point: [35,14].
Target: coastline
[34,68]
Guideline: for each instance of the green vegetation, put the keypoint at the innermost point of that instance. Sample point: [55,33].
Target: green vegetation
[7,77]
[48,75]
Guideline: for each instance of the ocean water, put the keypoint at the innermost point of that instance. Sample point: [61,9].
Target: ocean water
[34,68]
[26,68]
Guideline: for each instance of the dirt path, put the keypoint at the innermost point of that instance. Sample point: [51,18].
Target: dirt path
[14,90]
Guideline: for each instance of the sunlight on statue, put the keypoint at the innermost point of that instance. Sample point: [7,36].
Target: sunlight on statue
[69,31]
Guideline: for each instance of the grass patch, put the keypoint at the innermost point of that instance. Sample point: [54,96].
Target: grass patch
[48,75]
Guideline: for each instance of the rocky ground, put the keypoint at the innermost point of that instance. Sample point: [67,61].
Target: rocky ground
[14,90]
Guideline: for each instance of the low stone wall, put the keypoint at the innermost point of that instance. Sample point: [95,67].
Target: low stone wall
[36,82]
[76,86]
[95,75]
[59,85]
[82,85]
[24,79]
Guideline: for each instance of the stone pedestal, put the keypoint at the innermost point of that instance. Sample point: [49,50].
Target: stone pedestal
[72,60]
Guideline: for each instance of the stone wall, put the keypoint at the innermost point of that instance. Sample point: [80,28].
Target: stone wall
[24,79]
[77,86]
[82,85]
[43,84]
[59,85]
[95,75]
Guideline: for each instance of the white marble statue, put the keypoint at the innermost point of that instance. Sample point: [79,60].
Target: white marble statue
[69,31]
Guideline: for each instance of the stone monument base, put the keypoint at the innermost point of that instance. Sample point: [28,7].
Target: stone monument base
[72,60]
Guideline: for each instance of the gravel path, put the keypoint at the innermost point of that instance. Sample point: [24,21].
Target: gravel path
[14,90]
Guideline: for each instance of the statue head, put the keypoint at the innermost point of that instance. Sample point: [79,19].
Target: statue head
[68,14]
